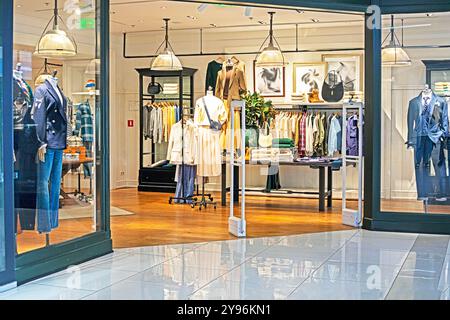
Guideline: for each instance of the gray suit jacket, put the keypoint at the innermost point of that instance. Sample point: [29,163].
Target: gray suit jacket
[438,123]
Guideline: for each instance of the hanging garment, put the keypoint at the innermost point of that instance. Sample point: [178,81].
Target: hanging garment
[185,177]
[335,129]
[211,75]
[234,87]
[352,135]
[302,136]
[84,126]
[182,135]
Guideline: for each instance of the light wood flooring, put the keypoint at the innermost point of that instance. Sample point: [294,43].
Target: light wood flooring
[156,222]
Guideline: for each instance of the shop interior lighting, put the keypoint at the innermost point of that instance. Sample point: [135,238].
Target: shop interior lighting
[393,54]
[270,56]
[166,59]
[55,42]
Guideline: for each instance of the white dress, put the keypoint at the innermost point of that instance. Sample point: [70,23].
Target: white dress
[208,154]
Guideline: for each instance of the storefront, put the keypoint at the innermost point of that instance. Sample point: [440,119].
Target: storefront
[76,226]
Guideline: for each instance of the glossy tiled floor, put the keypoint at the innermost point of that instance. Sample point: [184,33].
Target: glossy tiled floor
[355,264]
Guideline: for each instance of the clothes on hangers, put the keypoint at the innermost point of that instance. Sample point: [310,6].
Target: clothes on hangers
[211,75]
[158,120]
[181,148]
[84,125]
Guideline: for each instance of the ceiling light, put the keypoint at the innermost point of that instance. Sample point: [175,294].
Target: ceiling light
[262,22]
[192,17]
[429,14]
[55,42]
[166,60]
[300,11]
[163,8]
[19,6]
[315,20]
[248,11]
[393,54]
[213,25]
[93,67]
[271,56]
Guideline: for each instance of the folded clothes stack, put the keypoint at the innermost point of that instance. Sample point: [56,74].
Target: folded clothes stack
[355,96]
[271,155]
[299,97]
[442,88]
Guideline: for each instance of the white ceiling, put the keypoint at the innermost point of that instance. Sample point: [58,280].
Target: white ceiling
[145,15]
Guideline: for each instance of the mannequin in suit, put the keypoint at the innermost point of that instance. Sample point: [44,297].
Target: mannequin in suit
[427,127]
[230,85]
[49,113]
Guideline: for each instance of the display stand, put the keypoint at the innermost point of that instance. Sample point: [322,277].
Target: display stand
[237,226]
[352,217]
[161,179]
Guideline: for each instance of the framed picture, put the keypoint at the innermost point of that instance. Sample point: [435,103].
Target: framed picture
[269,81]
[308,76]
[349,67]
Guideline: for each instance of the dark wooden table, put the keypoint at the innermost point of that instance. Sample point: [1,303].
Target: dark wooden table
[325,192]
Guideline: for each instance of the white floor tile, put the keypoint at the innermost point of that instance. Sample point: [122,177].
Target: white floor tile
[326,289]
[411,288]
[374,256]
[87,279]
[176,274]
[378,275]
[389,235]
[131,262]
[41,292]
[130,290]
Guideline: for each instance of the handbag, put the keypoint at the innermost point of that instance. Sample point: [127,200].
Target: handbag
[213,125]
[265,138]
[333,87]
[154,88]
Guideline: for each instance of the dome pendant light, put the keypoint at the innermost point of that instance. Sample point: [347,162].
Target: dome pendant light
[166,60]
[393,54]
[55,43]
[271,56]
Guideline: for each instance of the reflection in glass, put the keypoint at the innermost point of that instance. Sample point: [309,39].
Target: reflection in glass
[415,122]
[55,107]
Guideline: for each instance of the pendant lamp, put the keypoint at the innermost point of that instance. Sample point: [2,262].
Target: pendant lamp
[166,59]
[393,53]
[271,56]
[54,42]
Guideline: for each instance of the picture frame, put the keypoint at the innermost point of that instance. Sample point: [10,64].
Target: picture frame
[350,67]
[308,76]
[269,82]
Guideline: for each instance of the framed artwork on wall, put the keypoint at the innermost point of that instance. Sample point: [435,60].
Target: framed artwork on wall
[349,67]
[308,76]
[269,82]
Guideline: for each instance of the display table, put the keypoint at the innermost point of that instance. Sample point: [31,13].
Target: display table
[324,193]
[74,165]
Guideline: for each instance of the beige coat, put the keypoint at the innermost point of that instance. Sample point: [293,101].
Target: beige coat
[237,84]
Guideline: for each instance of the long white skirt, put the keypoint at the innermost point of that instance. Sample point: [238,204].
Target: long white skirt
[208,155]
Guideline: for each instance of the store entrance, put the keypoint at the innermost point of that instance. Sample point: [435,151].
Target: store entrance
[166,159]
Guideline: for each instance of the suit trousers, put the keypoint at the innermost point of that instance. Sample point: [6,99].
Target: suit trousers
[426,152]
[48,189]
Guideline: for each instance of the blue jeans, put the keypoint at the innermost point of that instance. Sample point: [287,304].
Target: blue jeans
[48,186]
[185,183]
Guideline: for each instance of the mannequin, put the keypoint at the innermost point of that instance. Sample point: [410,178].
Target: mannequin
[208,154]
[25,147]
[427,127]
[49,113]
[230,85]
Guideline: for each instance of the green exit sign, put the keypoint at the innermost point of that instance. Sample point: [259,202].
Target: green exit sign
[87,23]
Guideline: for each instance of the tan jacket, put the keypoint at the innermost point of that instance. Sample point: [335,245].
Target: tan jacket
[236,87]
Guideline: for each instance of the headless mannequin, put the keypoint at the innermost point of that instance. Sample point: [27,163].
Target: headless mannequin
[43,149]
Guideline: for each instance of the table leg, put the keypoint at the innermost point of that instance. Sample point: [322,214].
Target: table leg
[330,188]
[321,189]
[224,185]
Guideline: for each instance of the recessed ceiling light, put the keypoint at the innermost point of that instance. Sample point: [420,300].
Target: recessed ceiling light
[429,14]
[300,11]
[262,22]
[141,20]
[133,26]
[192,17]
[315,20]
[213,25]
[163,8]
[202,7]
[112,12]
[19,6]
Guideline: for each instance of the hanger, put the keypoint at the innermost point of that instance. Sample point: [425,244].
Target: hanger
[220,59]
[427,90]
[210,91]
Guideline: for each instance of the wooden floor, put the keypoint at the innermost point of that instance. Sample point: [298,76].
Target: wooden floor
[156,222]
